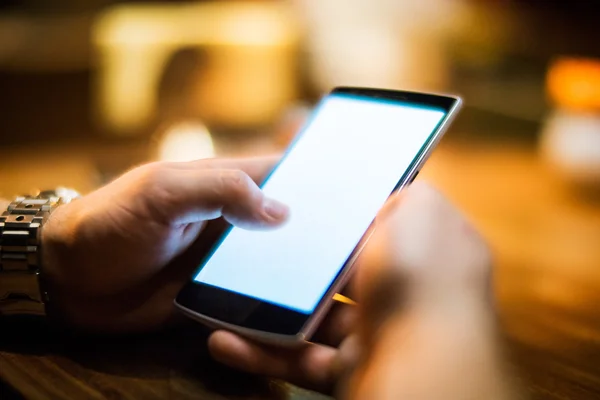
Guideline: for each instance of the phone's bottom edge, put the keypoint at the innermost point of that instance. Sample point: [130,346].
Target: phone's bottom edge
[269,338]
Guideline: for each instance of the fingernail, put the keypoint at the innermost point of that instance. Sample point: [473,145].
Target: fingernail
[275,210]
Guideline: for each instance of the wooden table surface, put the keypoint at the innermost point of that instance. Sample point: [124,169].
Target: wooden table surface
[546,239]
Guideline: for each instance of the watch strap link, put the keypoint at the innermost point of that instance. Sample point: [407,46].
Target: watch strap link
[21,284]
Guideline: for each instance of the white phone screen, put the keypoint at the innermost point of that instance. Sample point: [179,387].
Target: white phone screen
[336,177]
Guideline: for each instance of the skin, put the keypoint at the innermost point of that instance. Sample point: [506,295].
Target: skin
[424,324]
[115,259]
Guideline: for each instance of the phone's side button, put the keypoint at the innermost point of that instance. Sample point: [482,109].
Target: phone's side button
[413,177]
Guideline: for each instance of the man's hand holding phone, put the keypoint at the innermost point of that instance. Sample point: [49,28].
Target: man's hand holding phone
[423,264]
[360,145]
[115,258]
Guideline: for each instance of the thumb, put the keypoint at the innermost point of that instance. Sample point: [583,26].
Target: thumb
[181,196]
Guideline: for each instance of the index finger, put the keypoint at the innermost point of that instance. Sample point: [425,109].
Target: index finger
[257,168]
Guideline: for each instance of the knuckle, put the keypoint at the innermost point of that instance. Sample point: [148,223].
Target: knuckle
[236,184]
[419,195]
[153,173]
[425,193]
[421,202]
[154,190]
[209,163]
[156,170]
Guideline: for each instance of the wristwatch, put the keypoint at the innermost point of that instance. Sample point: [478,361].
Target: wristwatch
[22,289]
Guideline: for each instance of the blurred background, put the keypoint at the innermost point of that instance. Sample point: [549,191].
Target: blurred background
[90,88]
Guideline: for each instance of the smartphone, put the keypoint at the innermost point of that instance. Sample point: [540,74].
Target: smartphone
[360,146]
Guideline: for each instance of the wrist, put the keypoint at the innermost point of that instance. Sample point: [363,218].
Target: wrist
[54,241]
[57,243]
[22,286]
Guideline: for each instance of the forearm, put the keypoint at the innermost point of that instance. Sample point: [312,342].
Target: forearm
[451,352]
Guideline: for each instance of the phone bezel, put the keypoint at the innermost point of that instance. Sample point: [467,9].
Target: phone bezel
[220,308]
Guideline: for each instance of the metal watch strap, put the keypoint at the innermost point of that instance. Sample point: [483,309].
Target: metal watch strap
[21,285]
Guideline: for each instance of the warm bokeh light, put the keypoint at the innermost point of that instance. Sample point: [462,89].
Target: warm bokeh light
[185,142]
[574,83]
[571,136]
[90,89]
[248,75]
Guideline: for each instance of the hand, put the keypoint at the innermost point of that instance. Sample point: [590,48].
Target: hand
[422,257]
[427,327]
[116,258]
